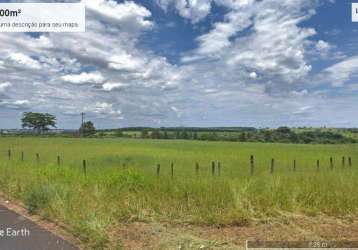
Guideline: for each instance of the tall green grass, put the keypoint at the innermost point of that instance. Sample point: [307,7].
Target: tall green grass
[121,184]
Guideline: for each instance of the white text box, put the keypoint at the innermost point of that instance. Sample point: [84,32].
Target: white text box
[42,17]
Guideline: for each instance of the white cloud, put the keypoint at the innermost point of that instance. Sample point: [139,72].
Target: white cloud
[253,75]
[341,72]
[16,104]
[296,93]
[4,86]
[323,47]
[93,77]
[303,110]
[23,60]
[106,109]
[259,40]
[125,61]
[128,14]
[218,38]
[109,86]
[271,43]
[195,10]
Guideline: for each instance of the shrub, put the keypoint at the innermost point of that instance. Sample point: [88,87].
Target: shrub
[36,198]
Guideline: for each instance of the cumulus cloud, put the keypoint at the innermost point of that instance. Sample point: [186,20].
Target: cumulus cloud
[104,109]
[253,75]
[23,60]
[16,104]
[129,15]
[323,47]
[84,77]
[272,44]
[341,72]
[194,10]
[109,86]
[125,61]
[249,66]
[4,86]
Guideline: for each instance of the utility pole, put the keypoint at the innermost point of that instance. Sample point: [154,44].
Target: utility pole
[82,122]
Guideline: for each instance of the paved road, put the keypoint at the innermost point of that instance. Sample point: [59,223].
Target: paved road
[18,233]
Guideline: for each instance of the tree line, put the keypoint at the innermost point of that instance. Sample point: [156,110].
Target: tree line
[280,135]
[40,123]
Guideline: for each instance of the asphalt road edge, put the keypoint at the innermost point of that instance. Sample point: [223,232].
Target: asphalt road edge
[53,227]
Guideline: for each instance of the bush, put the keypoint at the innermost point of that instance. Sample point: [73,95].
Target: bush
[37,198]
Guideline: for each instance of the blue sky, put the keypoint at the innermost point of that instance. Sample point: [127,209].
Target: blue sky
[189,63]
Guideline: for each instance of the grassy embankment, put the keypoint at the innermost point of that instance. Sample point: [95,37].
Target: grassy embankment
[121,183]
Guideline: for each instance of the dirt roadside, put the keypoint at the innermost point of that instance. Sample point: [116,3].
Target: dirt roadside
[154,235]
[143,235]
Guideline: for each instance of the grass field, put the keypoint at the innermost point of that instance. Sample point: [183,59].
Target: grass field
[121,182]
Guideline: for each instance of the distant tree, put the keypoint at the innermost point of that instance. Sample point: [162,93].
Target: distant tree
[144,133]
[284,130]
[243,137]
[88,129]
[165,135]
[39,122]
[267,136]
[101,134]
[294,137]
[118,133]
[155,134]
[195,135]
[184,135]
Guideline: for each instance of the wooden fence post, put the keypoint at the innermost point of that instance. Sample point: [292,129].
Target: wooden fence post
[219,168]
[9,154]
[343,161]
[37,157]
[318,164]
[294,165]
[172,168]
[197,168]
[251,165]
[272,165]
[158,169]
[58,160]
[331,162]
[22,156]
[213,168]
[84,167]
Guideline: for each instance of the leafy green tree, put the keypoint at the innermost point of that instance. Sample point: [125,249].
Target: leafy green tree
[177,135]
[155,134]
[243,137]
[165,135]
[267,136]
[195,135]
[38,122]
[184,135]
[284,130]
[87,129]
[118,133]
[144,134]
